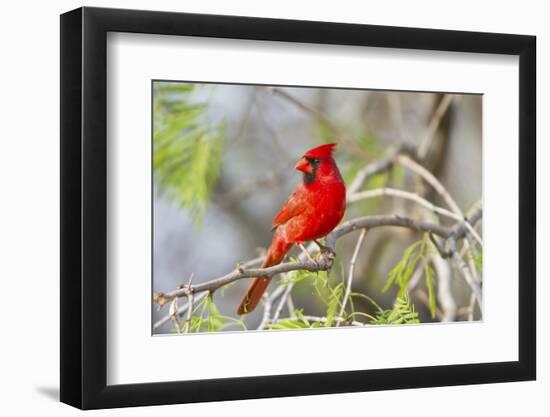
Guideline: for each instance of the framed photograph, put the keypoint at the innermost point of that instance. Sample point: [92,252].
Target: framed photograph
[258,208]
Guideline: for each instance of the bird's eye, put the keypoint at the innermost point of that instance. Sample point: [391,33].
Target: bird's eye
[315,161]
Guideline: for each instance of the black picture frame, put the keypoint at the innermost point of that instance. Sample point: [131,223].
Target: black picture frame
[84,207]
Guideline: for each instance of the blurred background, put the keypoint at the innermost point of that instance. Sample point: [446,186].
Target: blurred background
[223,166]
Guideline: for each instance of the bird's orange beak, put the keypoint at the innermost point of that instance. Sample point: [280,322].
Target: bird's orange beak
[304,166]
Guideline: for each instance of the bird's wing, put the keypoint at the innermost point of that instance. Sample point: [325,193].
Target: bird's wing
[294,205]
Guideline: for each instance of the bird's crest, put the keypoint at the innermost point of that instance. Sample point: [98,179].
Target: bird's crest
[323,151]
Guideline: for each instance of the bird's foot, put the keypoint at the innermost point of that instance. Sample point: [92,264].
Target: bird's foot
[326,251]
[319,264]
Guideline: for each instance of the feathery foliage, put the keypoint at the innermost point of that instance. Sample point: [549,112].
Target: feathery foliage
[296,322]
[187,148]
[207,318]
[401,274]
[334,302]
[402,312]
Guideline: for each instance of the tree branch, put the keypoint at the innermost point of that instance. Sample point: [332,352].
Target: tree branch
[179,312]
[371,222]
[434,182]
[378,192]
[461,265]
[323,263]
[430,179]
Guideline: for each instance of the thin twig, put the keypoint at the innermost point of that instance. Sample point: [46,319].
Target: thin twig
[427,139]
[471,307]
[417,274]
[289,286]
[440,248]
[447,302]
[180,311]
[394,104]
[430,179]
[282,301]
[173,314]
[463,267]
[279,290]
[424,299]
[246,117]
[289,304]
[378,192]
[267,311]
[351,271]
[339,134]
[371,169]
[190,299]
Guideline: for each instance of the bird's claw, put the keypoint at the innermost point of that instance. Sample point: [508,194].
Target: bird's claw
[319,265]
[326,250]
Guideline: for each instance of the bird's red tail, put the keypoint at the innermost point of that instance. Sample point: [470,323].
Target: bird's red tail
[277,251]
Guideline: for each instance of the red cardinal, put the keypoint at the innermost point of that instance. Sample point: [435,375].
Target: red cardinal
[311,212]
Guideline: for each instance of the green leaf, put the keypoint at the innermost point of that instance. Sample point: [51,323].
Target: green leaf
[334,302]
[361,314]
[300,315]
[366,297]
[402,272]
[231,321]
[209,319]
[403,312]
[430,283]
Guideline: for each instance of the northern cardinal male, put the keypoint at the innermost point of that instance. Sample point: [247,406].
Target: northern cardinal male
[311,212]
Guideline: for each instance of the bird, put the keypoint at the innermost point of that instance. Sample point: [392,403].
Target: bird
[311,212]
